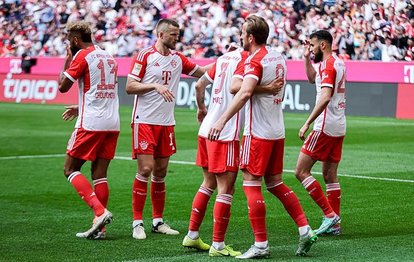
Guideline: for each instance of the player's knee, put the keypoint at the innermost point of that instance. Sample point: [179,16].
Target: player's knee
[68,171]
[145,171]
[301,174]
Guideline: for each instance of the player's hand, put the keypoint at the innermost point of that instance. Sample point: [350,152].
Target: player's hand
[164,92]
[302,131]
[307,49]
[276,85]
[201,114]
[215,130]
[69,55]
[70,113]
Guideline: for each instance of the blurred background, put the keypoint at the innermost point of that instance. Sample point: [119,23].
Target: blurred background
[362,30]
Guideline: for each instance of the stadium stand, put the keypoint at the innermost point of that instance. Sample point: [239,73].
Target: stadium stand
[362,30]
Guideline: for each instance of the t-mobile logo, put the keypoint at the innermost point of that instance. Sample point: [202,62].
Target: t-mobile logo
[409,74]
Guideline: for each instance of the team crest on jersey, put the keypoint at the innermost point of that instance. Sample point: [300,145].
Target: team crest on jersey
[137,69]
[143,145]
[173,63]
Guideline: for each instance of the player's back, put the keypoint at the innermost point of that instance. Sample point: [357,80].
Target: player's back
[98,96]
[221,75]
[264,116]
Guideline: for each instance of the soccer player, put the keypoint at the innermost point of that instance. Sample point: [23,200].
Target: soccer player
[324,143]
[263,139]
[219,159]
[153,79]
[97,127]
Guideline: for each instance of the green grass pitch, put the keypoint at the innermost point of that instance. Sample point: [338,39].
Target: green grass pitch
[40,212]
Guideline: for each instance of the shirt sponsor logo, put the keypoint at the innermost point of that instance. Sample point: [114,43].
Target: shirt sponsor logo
[324,76]
[137,69]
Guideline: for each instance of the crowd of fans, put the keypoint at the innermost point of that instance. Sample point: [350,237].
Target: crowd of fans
[362,30]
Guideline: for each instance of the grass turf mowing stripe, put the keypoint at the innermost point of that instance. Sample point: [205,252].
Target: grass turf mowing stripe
[192,163]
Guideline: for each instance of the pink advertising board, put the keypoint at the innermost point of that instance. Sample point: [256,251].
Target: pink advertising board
[360,71]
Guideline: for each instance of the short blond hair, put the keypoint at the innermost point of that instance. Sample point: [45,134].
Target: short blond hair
[80,28]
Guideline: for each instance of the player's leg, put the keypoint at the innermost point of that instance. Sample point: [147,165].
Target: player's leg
[257,215]
[221,214]
[302,172]
[158,197]
[145,165]
[198,210]
[142,150]
[99,170]
[307,236]
[164,147]
[333,191]
[254,159]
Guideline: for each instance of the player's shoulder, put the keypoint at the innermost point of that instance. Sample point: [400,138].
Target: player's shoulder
[141,54]
[334,62]
[233,55]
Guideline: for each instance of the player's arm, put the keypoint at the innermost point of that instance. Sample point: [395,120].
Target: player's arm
[309,69]
[201,70]
[235,85]
[64,82]
[200,89]
[326,93]
[135,87]
[272,88]
[246,91]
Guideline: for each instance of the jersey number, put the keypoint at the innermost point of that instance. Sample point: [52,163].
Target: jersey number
[114,68]
[341,85]
[222,76]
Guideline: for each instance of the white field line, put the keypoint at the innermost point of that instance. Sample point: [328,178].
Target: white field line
[192,164]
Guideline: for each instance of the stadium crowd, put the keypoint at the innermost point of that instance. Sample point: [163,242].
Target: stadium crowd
[362,30]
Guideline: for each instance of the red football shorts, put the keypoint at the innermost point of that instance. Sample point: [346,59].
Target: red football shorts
[261,156]
[218,156]
[155,140]
[90,145]
[320,146]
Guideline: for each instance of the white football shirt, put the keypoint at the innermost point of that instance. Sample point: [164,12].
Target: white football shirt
[264,115]
[331,74]
[149,66]
[220,74]
[97,71]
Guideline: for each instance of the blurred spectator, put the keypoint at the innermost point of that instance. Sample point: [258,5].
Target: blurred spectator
[122,27]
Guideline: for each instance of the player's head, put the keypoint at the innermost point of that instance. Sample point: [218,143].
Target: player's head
[254,30]
[320,42]
[168,32]
[79,33]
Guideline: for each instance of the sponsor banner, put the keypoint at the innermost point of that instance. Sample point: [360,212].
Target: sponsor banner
[405,98]
[19,88]
[357,71]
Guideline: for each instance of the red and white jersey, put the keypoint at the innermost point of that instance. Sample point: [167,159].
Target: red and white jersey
[149,66]
[331,74]
[97,71]
[264,116]
[220,74]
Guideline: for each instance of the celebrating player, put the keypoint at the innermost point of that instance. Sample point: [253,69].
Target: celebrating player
[263,139]
[324,143]
[97,128]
